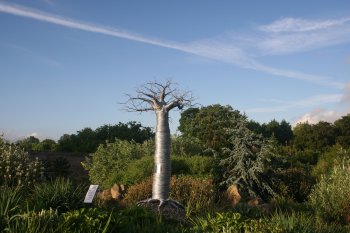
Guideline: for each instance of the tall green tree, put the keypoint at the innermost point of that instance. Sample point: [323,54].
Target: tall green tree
[209,124]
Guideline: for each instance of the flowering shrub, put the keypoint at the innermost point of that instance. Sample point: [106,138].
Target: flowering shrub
[17,168]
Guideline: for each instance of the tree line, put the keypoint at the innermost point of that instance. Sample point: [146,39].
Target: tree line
[87,140]
[201,128]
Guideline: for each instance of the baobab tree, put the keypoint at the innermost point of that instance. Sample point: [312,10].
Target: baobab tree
[160,98]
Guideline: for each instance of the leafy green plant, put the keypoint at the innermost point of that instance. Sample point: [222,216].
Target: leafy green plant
[61,195]
[17,168]
[138,170]
[108,164]
[86,220]
[37,222]
[10,200]
[230,222]
[302,222]
[331,195]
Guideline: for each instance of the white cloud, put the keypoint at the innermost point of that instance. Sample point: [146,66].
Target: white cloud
[291,35]
[318,115]
[217,49]
[301,25]
[321,114]
[34,134]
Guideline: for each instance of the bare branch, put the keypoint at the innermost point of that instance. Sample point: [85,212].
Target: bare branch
[156,96]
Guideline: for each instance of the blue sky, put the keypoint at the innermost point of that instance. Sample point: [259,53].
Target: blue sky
[65,65]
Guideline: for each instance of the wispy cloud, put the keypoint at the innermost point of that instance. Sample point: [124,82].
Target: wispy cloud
[285,106]
[290,35]
[302,25]
[222,50]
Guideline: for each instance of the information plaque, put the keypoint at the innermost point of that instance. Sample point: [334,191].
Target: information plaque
[90,193]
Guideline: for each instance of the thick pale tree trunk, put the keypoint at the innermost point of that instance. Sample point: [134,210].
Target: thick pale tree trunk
[162,162]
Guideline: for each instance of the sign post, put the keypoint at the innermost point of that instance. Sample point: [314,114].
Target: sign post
[91,193]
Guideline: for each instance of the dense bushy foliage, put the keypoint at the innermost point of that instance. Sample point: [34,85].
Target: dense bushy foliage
[331,195]
[209,124]
[17,168]
[107,165]
[281,131]
[245,161]
[328,159]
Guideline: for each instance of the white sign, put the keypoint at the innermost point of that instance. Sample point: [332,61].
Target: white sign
[90,193]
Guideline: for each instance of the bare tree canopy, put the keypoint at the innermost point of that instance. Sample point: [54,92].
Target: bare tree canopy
[158,96]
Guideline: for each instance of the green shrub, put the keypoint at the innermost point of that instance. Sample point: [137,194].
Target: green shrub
[107,165]
[61,195]
[17,169]
[199,165]
[86,220]
[331,195]
[139,169]
[328,159]
[186,146]
[294,183]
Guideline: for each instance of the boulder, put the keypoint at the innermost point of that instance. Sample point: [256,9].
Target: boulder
[233,194]
[255,201]
[118,191]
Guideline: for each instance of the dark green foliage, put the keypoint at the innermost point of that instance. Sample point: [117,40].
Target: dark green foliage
[60,167]
[281,131]
[318,137]
[343,129]
[61,195]
[209,124]
[28,144]
[17,168]
[186,146]
[294,183]
[87,140]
